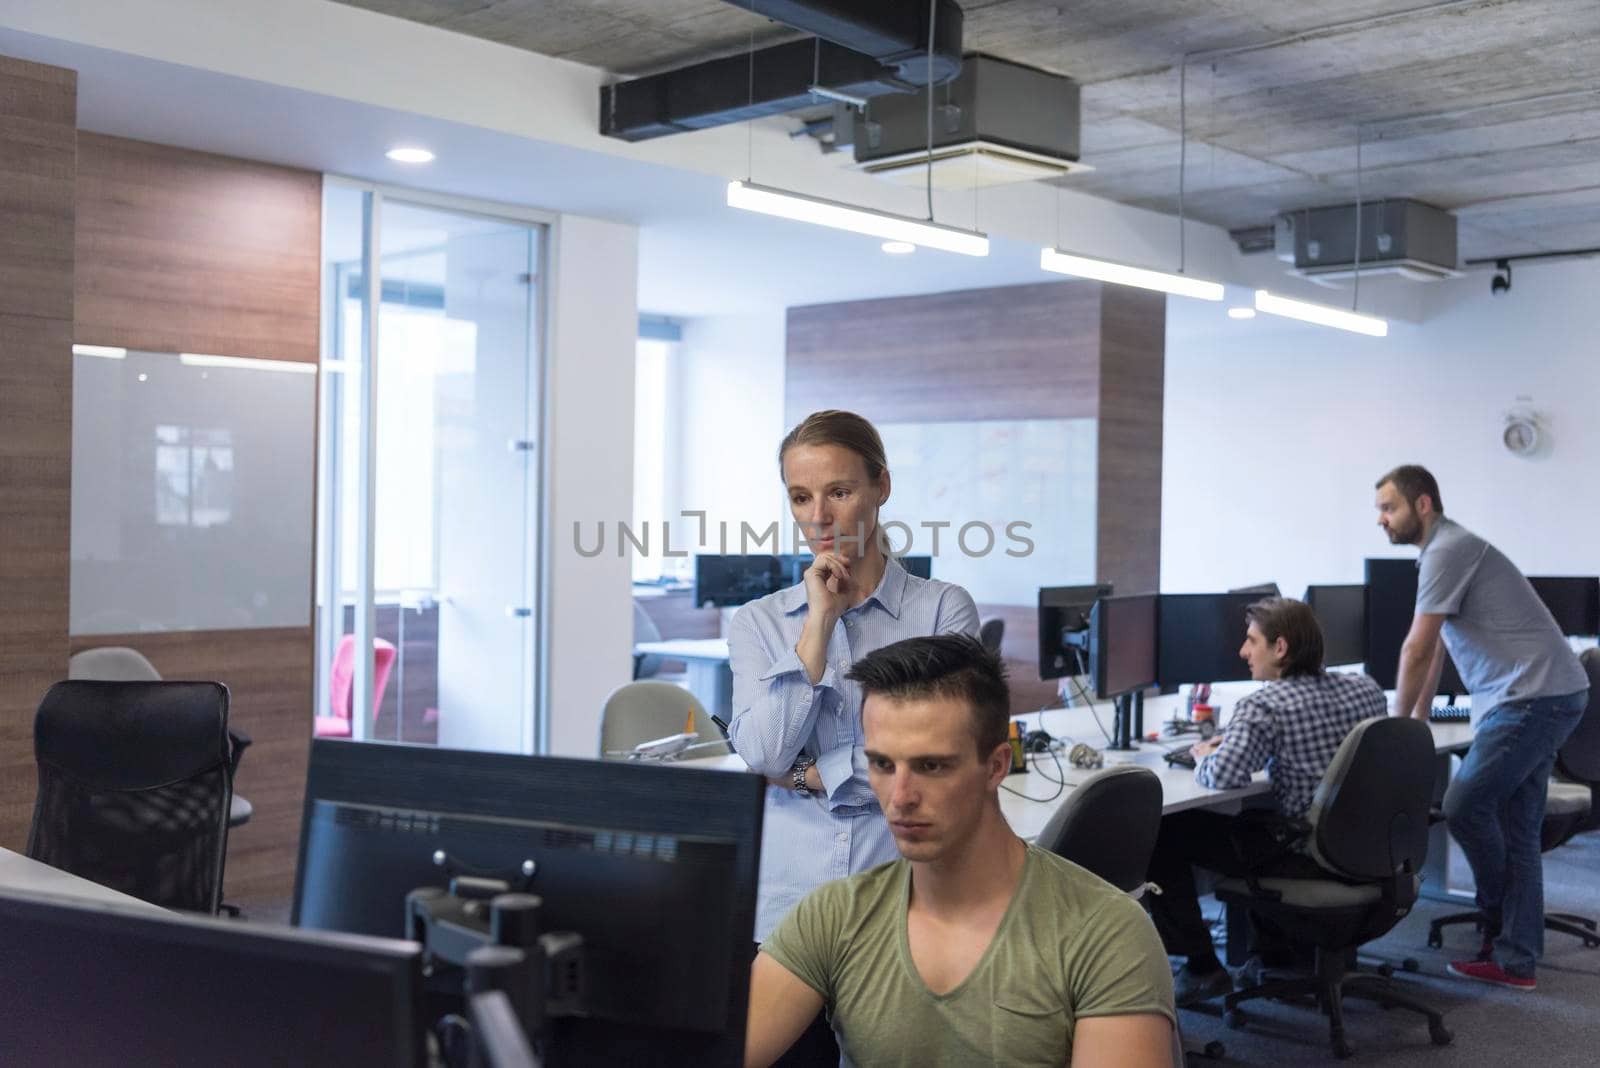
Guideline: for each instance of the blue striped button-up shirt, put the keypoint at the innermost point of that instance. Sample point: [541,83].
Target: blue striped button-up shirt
[778,714]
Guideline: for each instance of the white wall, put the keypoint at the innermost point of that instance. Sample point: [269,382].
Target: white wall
[589,435]
[728,422]
[1276,431]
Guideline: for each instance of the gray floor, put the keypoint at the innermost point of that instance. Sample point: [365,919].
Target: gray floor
[1555,1026]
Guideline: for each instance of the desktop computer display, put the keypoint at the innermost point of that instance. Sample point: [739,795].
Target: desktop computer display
[1260,589]
[92,984]
[1342,613]
[1122,644]
[654,866]
[1391,606]
[1064,628]
[1199,636]
[730,581]
[1574,601]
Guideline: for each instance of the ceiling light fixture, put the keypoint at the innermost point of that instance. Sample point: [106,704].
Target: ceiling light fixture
[1241,313]
[409,154]
[1121,274]
[1321,314]
[105,352]
[831,213]
[899,248]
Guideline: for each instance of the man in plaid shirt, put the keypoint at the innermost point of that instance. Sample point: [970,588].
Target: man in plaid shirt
[1292,727]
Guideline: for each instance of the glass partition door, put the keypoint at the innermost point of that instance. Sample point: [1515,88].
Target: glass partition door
[428,459]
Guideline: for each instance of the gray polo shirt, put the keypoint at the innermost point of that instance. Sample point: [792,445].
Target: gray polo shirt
[1505,642]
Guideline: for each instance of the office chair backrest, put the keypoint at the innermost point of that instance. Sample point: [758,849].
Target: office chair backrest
[112,663]
[991,631]
[645,710]
[1109,824]
[1579,756]
[135,782]
[342,677]
[1369,816]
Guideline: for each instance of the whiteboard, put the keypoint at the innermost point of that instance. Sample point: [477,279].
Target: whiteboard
[192,483]
[1041,472]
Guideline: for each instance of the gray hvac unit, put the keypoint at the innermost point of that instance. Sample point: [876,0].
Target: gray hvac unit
[996,122]
[1400,237]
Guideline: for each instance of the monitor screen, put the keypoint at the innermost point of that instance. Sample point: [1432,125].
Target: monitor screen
[86,983]
[730,581]
[1199,635]
[1574,601]
[920,566]
[1260,589]
[1064,628]
[655,866]
[1122,644]
[1391,606]
[1342,613]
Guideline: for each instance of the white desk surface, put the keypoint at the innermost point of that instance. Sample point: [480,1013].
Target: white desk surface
[22,875]
[686,648]
[1028,814]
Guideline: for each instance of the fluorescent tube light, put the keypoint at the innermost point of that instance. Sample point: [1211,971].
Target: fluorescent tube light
[242,363]
[899,248]
[839,216]
[105,352]
[1321,314]
[1120,274]
[1241,313]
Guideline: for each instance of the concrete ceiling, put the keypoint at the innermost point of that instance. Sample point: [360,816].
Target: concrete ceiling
[1490,108]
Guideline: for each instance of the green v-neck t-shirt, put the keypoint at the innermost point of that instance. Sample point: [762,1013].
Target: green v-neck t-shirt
[1070,946]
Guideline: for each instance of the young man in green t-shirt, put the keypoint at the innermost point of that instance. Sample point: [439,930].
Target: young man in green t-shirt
[975,947]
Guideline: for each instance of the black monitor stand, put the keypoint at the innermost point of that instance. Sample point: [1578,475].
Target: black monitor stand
[1127,724]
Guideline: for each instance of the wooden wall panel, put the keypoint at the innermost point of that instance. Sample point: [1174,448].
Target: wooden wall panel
[1133,329]
[38,124]
[268,674]
[1018,352]
[182,251]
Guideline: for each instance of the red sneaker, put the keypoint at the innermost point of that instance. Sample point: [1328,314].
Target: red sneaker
[1487,971]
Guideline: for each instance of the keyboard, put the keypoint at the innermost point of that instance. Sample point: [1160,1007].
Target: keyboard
[1451,714]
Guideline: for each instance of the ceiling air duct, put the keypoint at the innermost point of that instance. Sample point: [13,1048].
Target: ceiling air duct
[1406,238]
[996,122]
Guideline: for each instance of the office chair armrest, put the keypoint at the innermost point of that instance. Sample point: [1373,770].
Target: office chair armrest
[239,741]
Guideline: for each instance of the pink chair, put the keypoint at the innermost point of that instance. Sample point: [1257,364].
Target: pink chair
[341,685]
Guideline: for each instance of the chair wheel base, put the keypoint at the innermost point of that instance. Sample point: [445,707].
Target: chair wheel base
[1341,1048]
[1435,938]
[1411,964]
[1439,1034]
[1214,1050]
[1233,1019]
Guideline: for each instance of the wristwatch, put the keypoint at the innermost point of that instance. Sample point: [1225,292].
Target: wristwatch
[799,769]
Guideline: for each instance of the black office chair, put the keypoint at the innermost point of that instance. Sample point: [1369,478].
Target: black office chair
[1368,826]
[1108,825]
[135,779]
[1569,806]
[991,631]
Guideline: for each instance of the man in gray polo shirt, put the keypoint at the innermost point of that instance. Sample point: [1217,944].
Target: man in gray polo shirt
[1528,693]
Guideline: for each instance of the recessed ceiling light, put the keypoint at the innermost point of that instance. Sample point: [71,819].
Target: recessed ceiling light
[409,154]
[898,248]
[1241,313]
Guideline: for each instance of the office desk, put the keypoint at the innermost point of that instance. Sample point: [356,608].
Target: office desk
[710,677]
[24,876]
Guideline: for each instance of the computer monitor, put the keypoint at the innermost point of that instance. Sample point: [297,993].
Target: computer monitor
[1198,637]
[1573,600]
[920,566]
[1260,589]
[1341,611]
[1391,606]
[1122,644]
[655,866]
[87,983]
[730,581]
[1064,628]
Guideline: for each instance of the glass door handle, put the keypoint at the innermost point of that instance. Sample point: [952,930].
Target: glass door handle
[518,612]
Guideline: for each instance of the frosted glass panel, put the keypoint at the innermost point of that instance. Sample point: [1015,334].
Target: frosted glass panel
[997,473]
[191,492]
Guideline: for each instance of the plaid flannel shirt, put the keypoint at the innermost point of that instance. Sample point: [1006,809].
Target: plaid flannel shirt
[1292,727]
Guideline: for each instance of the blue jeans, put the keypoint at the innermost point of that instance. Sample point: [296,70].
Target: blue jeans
[1495,808]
